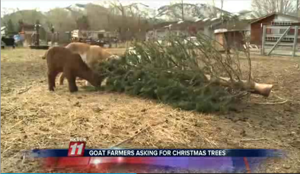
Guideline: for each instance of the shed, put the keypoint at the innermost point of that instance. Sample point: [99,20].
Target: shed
[95,35]
[26,32]
[257,25]
[232,38]
[183,27]
[159,31]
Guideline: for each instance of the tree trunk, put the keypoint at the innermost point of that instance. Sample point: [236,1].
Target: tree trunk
[253,87]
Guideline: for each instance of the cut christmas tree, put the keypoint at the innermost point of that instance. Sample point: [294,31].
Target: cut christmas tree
[185,74]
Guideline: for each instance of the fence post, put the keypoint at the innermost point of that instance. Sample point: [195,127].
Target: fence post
[263,41]
[295,40]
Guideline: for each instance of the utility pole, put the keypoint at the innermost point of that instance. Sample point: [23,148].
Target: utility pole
[213,6]
[297,8]
[37,36]
[52,35]
[182,10]
[281,6]
[222,3]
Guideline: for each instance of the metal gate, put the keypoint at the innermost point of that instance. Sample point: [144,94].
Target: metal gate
[280,40]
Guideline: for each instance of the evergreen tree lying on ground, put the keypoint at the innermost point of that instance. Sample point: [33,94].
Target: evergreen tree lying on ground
[185,75]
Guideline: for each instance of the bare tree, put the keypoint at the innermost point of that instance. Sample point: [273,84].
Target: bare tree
[117,6]
[180,11]
[98,16]
[213,8]
[132,17]
[61,20]
[264,7]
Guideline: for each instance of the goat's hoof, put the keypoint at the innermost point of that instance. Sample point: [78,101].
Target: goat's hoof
[73,90]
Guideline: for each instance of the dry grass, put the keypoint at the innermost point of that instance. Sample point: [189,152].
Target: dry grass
[32,117]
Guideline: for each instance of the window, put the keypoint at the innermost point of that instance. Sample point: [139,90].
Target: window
[282,23]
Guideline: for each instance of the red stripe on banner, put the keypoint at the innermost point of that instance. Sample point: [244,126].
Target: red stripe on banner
[63,162]
[73,161]
[247,165]
[95,164]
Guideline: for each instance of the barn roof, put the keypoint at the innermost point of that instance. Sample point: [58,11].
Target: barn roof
[224,30]
[274,14]
[236,25]
[182,25]
[162,24]
[201,23]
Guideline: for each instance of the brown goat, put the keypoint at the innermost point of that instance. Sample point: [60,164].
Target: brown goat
[60,59]
[90,54]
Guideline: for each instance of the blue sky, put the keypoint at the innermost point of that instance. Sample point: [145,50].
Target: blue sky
[45,5]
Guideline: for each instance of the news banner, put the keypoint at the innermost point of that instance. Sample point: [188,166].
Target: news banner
[199,159]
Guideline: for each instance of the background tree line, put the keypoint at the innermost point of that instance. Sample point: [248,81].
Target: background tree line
[126,20]
[133,19]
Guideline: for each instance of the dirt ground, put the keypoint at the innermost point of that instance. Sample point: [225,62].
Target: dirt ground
[33,117]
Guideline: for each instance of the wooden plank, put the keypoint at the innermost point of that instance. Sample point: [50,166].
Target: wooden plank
[283,40]
[280,44]
[295,41]
[279,35]
[282,54]
[280,50]
[279,27]
[263,40]
[285,32]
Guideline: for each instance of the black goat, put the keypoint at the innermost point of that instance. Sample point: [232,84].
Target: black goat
[8,42]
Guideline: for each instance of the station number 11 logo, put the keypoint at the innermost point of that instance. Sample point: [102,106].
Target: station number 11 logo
[76,149]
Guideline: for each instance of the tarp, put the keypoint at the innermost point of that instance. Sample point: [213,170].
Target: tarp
[18,38]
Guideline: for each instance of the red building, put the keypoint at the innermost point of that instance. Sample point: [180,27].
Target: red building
[257,25]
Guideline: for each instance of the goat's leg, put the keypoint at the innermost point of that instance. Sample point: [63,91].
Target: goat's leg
[51,80]
[72,84]
[61,79]
[71,79]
